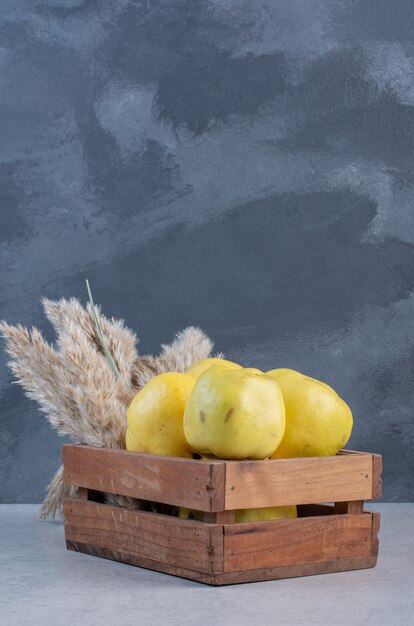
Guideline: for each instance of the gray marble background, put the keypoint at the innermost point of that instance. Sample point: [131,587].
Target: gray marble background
[242,165]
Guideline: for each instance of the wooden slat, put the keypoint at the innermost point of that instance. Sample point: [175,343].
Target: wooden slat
[229,578]
[142,536]
[251,484]
[83,493]
[354,506]
[374,533]
[217,484]
[376,476]
[224,485]
[219,554]
[194,550]
[182,482]
[292,571]
[297,541]
[139,561]
[221,517]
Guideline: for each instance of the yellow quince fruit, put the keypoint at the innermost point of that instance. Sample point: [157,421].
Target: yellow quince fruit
[201,366]
[155,416]
[235,414]
[266,513]
[318,421]
[248,515]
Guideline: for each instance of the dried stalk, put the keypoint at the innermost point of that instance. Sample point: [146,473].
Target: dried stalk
[75,383]
[101,335]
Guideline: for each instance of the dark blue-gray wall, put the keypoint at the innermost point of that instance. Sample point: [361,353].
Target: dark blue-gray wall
[245,166]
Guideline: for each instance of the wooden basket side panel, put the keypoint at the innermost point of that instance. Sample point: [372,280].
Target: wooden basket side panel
[141,537]
[181,482]
[251,484]
[156,566]
[297,541]
[293,571]
[224,485]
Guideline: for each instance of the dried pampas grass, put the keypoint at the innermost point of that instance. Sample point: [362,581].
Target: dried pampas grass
[74,382]
[190,345]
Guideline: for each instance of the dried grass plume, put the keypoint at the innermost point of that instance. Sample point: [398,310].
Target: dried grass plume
[73,382]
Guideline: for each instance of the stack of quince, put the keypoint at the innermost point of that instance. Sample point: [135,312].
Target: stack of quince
[222,409]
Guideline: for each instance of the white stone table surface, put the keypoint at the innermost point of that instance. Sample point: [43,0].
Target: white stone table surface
[43,583]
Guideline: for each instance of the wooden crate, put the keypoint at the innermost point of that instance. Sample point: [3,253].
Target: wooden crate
[324,538]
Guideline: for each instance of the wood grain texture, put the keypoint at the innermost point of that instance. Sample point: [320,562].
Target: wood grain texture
[228,578]
[297,541]
[376,476]
[218,551]
[223,485]
[223,554]
[293,571]
[83,493]
[142,536]
[220,517]
[374,533]
[182,482]
[251,484]
[139,561]
[354,506]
